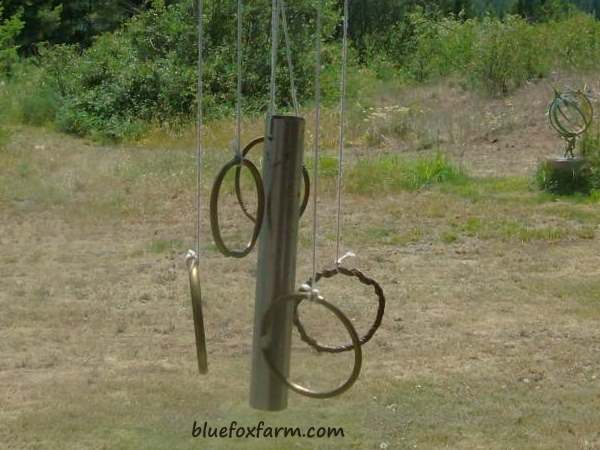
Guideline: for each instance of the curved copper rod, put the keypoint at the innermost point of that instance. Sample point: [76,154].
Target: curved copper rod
[194,274]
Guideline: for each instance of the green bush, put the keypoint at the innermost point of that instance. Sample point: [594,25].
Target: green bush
[589,147]
[146,72]
[574,43]
[506,54]
[35,100]
[493,54]
[563,181]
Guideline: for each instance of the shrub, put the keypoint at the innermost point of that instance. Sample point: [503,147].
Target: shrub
[589,147]
[563,180]
[495,55]
[146,72]
[574,42]
[506,54]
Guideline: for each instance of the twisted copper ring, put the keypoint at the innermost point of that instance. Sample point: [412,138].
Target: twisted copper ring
[329,273]
[297,298]
[238,189]
[214,207]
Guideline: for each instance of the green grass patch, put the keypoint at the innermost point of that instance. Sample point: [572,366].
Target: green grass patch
[328,166]
[505,229]
[389,236]
[165,245]
[581,294]
[4,136]
[498,188]
[391,173]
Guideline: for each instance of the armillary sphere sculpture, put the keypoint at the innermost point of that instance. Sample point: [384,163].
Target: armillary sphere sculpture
[570,113]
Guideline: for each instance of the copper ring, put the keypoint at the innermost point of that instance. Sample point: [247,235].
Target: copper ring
[297,298]
[238,189]
[214,208]
[196,292]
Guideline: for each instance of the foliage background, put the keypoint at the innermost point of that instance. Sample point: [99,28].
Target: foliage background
[111,69]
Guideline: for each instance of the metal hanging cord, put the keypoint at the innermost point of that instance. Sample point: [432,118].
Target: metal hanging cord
[338,269]
[288,49]
[317,148]
[193,257]
[338,259]
[274,48]
[199,123]
[238,109]
[279,13]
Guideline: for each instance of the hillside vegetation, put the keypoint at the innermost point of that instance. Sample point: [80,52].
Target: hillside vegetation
[115,79]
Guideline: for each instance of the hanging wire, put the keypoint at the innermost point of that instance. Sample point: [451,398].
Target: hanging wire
[238,108]
[274,48]
[317,148]
[342,133]
[199,121]
[288,49]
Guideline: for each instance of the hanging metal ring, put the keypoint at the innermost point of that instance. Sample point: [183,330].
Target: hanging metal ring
[297,298]
[194,274]
[214,207]
[355,273]
[238,189]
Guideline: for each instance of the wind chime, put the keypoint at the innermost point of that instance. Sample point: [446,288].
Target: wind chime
[279,208]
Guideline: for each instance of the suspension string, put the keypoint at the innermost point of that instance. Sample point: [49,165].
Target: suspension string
[238,109]
[274,48]
[288,48]
[317,143]
[342,133]
[199,121]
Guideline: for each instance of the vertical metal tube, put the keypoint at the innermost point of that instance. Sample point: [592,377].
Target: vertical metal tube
[276,274]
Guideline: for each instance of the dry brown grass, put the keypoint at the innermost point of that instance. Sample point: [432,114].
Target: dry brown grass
[490,340]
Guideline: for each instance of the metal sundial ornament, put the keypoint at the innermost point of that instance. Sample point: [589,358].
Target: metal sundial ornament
[570,113]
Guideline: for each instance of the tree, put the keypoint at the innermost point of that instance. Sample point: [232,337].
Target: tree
[9,30]
[73,21]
